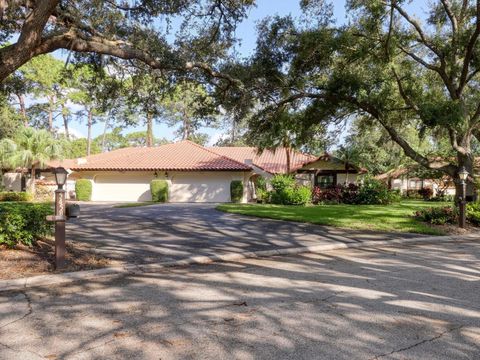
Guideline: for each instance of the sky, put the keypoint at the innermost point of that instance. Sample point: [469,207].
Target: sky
[246,31]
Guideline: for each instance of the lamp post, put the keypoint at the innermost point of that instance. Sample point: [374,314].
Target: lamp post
[462,175]
[60,218]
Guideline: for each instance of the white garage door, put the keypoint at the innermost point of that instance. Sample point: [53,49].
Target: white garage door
[122,187]
[204,187]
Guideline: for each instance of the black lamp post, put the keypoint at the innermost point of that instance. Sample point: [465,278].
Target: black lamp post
[60,218]
[462,175]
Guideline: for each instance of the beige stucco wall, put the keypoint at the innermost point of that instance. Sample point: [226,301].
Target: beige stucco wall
[193,186]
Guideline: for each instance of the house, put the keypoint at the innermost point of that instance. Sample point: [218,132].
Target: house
[406,179]
[195,173]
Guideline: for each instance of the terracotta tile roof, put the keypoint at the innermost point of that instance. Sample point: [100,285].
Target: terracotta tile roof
[274,162]
[180,156]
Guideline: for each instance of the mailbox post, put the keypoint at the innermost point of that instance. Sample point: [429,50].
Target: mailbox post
[60,217]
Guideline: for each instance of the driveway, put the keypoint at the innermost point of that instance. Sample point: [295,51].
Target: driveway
[174,231]
[417,303]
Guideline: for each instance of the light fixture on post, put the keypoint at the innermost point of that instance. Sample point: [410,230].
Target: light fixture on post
[61,177]
[59,218]
[462,176]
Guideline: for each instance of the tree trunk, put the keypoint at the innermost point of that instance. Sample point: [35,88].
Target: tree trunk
[104,136]
[65,122]
[89,131]
[50,114]
[186,128]
[287,150]
[149,140]
[31,187]
[23,109]
[234,131]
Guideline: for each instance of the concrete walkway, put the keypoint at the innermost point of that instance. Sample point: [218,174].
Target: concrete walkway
[167,232]
[415,302]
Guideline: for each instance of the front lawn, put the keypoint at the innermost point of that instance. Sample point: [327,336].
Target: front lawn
[396,217]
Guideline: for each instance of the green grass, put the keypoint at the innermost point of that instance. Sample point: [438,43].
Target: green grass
[396,217]
[135,204]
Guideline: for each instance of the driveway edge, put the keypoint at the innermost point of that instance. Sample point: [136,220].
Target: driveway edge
[132,269]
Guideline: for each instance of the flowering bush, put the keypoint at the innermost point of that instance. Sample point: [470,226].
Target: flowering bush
[369,193]
[438,215]
[426,193]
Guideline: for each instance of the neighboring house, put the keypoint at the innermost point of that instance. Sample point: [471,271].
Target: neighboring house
[402,180]
[195,173]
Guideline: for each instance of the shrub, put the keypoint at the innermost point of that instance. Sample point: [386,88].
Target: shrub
[260,183]
[263,196]
[236,191]
[332,195]
[374,192]
[426,193]
[412,194]
[438,215]
[301,195]
[159,190]
[473,213]
[24,223]
[15,196]
[282,182]
[83,189]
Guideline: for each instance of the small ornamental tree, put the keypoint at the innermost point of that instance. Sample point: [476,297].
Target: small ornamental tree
[83,189]
[236,191]
[159,190]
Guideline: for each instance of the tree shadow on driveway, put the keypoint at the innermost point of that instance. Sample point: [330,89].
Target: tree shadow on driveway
[417,302]
[177,231]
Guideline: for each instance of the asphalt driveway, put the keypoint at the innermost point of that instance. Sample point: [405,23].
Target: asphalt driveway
[174,231]
[395,303]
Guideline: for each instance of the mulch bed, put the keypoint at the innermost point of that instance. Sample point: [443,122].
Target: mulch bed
[39,260]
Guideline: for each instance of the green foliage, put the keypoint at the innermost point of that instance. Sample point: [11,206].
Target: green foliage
[7,154]
[24,223]
[236,191]
[281,182]
[83,189]
[10,121]
[36,148]
[260,183]
[374,192]
[438,215]
[159,190]
[15,196]
[78,148]
[287,192]
[190,106]
[473,213]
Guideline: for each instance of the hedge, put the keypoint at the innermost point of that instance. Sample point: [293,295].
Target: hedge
[236,191]
[23,222]
[159,190]
[83,189]
[15,196]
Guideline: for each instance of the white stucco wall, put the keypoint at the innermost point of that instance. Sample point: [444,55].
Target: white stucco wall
[193,186]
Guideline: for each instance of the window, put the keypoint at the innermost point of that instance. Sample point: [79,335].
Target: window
[325,181]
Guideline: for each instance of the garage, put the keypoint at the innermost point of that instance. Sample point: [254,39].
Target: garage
[200,187]
[122,186]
